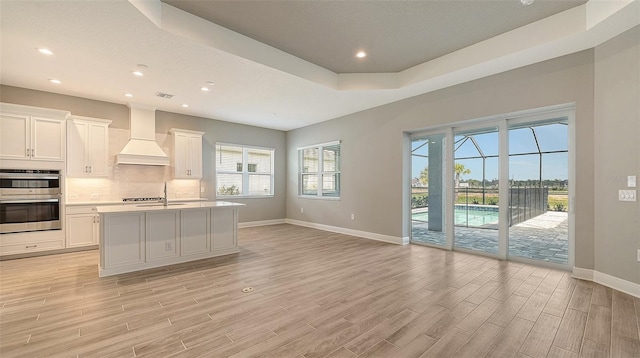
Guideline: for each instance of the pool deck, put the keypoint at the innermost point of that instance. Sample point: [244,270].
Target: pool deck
[542,238]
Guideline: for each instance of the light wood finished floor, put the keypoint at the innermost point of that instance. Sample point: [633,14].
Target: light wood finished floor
[316,294]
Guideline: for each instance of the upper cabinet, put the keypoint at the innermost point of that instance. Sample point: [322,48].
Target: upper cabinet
[31,133]
[187,154]
[87,146]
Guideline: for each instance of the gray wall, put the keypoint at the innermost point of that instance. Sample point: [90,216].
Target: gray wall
[372,144]
[617,154]
[256,209]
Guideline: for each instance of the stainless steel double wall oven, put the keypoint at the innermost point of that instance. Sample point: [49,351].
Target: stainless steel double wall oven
[30,200]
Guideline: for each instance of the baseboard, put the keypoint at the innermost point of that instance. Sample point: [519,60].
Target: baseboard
[261,223]
[358,233]
[616,283]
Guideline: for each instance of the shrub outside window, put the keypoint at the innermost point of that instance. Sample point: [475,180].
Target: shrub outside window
[244,171]
[319,170]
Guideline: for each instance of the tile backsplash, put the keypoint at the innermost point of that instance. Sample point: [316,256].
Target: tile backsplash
[126,181]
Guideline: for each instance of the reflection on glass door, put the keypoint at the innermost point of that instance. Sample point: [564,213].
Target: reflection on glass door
[476,182]
[427,190]
[538,191]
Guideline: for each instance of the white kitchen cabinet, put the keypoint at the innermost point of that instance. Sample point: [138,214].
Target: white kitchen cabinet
[30,133]
[223,231]
[162,235]
[31,242]
[194,231]
[139,237]
[82,226]
[122,240]
[87,147]
[187,154]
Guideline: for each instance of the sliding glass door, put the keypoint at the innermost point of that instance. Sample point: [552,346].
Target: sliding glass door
[538,190]
[476,180]
[427,189]
[500,187]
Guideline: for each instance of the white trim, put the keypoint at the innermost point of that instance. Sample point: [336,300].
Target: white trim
[321,144]
[261,223]
[358,233]
[616,283]
[317,197]
[243,145]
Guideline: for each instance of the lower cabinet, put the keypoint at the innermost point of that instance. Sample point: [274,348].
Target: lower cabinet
[195,229]
[162,235]
[224,235]
[82,226]
[122,240]
[138,240]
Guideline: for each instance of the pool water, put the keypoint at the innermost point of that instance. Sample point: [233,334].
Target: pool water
[466,217]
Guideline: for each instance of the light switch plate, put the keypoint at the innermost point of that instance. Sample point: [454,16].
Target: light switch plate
[631,181]
[627,195]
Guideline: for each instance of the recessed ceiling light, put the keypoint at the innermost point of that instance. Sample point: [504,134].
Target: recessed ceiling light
[138,73]
[45,51]
[128,95]
[205,89]
[361,54]
[185,105]
[53,80]
[527,2]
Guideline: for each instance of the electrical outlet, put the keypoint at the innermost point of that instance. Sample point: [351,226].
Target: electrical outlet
[627,195]
[353,216]
[301,210]
[168,246]
[638,255]
[203,189]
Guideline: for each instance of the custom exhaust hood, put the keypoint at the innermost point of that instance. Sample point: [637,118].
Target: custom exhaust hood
[142,148]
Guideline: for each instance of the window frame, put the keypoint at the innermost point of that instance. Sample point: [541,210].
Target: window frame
[245,171]
[320,173]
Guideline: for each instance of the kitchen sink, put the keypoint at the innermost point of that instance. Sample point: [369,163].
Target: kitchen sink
[159,204]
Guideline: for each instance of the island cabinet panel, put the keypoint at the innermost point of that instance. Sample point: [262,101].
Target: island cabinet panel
[141,237]
[124,236]
[162,235]
[224,228]
[194,231]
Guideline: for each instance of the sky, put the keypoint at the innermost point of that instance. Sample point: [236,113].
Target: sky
[551,137]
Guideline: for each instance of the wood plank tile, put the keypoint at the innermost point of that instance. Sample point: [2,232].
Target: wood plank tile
[415,348]
[540,338]
[327,292]
[448,345]
[511,339]
[571,331]
[481,341]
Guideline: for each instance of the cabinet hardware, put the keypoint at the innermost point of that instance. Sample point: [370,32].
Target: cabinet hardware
[30,246]
[90,169]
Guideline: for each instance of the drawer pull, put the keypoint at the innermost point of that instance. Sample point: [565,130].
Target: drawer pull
[30,246]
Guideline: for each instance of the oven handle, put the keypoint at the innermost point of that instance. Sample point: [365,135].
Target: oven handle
[30,201]
[28,176]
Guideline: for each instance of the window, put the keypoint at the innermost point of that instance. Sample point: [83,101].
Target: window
[243,171]
[319,170]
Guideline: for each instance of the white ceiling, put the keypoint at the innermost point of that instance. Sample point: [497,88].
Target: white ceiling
[97,44]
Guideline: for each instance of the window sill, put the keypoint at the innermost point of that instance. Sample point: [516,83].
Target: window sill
[315,197]
[227,197]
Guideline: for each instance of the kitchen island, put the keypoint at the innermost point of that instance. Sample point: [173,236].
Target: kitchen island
[143,236]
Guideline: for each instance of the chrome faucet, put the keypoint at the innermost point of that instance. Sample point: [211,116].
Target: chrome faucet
[165,201]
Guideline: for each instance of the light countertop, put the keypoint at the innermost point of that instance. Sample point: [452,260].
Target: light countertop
[155,206]
[120,202]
